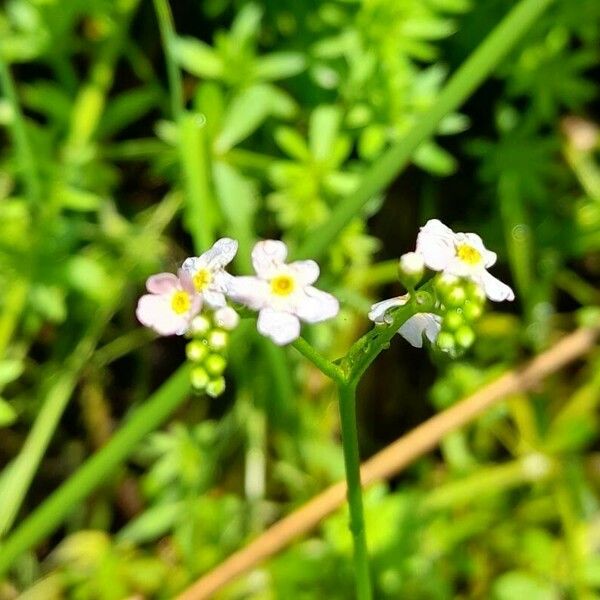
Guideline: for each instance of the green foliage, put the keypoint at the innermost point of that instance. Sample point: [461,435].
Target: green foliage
[287,105]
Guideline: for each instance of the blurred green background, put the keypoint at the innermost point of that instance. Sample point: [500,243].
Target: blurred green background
[107,177]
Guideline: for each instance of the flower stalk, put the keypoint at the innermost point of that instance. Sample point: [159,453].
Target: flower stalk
[347,407]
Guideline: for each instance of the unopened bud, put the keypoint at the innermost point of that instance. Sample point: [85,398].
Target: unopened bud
[215,387]
[410,269]
[227,318]
[464,336]
[215,364]
[453,320]
[200,325]
[218,339]
[196,351]
[472,311]
[445,342]
[199,378]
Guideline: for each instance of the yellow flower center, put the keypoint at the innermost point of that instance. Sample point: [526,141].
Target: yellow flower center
[202,279]
[180,302]
[282,285]
[468,254]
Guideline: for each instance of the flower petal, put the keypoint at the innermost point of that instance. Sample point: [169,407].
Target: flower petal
[221,253]
[162,283]
[155,312]
[421,323]
[435,243]
[214,299]
[494,288]
[267,257]
[306,271]
[281,327]
[250,291]
[378,310]
[314,306]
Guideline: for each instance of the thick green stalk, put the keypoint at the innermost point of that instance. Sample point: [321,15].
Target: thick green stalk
[95,471]
[461,85]
[347,395]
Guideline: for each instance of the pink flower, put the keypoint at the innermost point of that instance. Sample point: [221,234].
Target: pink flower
[171,304]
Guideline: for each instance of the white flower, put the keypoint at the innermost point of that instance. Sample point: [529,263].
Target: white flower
[282,293]
[171,304]
[462,255]
[208,274]
[413,329]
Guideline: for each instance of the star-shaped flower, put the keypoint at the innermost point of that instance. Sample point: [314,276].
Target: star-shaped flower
[282,293]
[171,304]
[462,255]
[414,328]
[207,271]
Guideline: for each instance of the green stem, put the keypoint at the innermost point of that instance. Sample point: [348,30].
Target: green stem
[462,84]
[366,349]
[325,366]
[194,155]
[94,472]
[167,33]
[25,155]
[347,395]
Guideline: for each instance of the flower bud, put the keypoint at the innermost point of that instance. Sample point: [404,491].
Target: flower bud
[472,311]
[227,318]
[196,351]
[218,339]
[465,336]
[215,364]
[215,387]
[456,297]
[410,269]
[453,319]
[445,342]
[199,378]
[200,325]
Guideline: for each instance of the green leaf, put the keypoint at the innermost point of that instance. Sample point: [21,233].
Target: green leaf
[8,414]
[10,369]
[323,126]
[518,584]
[244,115]
[433,158]
[151,524]
[247,23]
[292,143]
[127,108]
[279,65]
[198,58]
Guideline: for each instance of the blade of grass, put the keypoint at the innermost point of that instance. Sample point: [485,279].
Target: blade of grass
[17,479]
[461,85]
[94,472]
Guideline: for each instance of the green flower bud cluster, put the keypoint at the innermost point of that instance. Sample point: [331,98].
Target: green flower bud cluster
[461,305]
[207,351]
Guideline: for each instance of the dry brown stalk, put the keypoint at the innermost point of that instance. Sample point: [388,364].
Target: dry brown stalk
[392,460]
